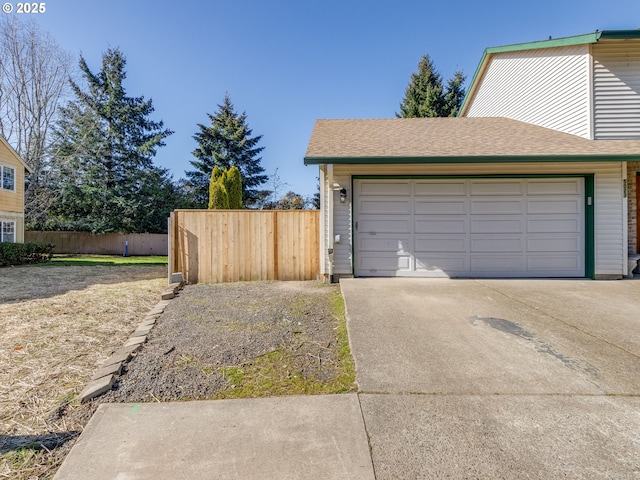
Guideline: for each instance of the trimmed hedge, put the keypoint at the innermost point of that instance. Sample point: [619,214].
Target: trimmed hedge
[24,253]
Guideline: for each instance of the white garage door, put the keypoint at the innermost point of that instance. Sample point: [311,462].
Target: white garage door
[518,227]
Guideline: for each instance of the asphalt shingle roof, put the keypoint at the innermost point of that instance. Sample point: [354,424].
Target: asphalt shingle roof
[397,138]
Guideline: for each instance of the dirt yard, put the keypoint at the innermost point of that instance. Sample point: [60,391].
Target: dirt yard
[239,339]
[213,341]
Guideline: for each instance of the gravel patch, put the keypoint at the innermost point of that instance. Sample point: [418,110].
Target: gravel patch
[208,329]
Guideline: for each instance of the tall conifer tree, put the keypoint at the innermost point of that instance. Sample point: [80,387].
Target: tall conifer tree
[425,95]
[227,142]
[104,146]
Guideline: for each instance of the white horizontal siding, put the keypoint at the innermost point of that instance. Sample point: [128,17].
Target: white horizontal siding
[546,87]
[342,226]
[616,90]
[610,221]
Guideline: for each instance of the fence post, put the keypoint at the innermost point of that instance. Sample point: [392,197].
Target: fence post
[169,245]
[275,245]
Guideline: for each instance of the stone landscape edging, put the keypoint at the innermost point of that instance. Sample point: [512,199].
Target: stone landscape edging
[103,379]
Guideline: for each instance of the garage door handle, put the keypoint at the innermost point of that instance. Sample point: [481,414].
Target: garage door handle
[372,233]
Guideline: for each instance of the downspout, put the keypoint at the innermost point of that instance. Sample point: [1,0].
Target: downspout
[322,187]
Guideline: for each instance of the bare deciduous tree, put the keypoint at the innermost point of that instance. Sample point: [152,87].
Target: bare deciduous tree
[34,78]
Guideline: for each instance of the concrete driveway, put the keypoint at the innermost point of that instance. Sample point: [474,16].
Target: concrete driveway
[498,378]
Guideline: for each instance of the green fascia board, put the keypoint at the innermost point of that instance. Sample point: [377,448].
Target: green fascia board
[468,159]
[551,43]
[568,41]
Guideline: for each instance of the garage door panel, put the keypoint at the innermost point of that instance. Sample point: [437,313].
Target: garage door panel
[498,263]
[567,205]
[497,227]
[444,263]
[439,224]
[555,224]
[497,206]
[377,187]
[497,244]
[385,243]
[557,187]
[504,224]
[554,244]
[492,188]
[385,224]
[553,263]
[441,188]
[441,207]
[440,244]
[390,206]
[385,264]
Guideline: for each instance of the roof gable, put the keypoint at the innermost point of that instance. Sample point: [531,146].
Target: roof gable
[453,139]
[588,38]
[4,142]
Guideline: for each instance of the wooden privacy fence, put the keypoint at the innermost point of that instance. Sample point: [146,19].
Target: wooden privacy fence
[106,244]
[213,246]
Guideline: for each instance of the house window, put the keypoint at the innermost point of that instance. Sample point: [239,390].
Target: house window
[8,232]
[7,178]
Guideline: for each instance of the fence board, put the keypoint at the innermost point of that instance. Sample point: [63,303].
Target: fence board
[214,246]
[106,244]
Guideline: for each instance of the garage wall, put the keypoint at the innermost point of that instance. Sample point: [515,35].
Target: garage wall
[610,221]
[342,226]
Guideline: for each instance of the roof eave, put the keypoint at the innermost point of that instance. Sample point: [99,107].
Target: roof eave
[311,160]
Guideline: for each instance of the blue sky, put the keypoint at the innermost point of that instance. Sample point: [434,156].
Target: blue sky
[287,63]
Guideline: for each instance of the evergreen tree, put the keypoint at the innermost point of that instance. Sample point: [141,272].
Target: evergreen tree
[233,184]
[218,196]
[103,148]
[455,94]
[227,142]
[425,95]
[225,189]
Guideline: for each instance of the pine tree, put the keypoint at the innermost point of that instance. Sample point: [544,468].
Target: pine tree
[455,94]
[227,142]
[103,148]
[425,95]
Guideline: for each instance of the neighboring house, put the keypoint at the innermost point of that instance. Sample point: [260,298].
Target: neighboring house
[12,172]
[540,194]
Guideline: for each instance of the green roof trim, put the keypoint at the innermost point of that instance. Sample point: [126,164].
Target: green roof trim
[551,43]
[587,38]
[470,159]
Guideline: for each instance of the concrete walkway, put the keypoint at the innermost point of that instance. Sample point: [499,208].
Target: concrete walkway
[462,379]
[269,438]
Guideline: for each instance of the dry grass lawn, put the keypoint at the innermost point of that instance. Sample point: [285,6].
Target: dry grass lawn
[57,325]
